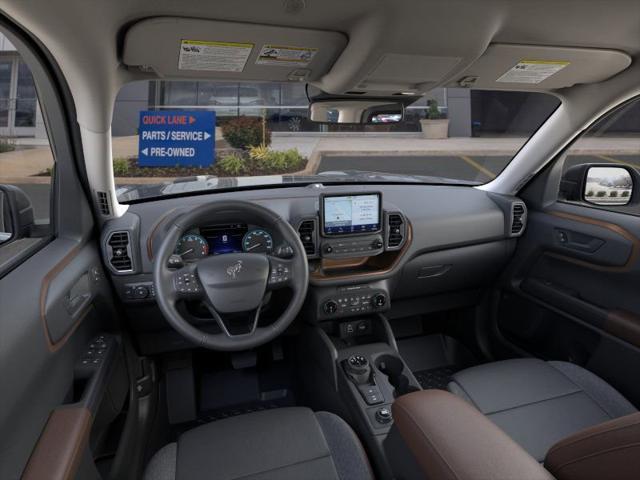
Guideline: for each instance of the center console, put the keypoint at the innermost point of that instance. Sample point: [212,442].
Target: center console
[355,370]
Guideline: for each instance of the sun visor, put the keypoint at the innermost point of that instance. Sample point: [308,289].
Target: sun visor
[177,48]
[527,67]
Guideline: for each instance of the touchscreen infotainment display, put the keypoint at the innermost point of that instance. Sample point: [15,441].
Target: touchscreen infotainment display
[351,214]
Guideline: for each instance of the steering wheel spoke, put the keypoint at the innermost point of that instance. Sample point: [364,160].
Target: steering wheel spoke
[280,273]
[224,326]
[186,285]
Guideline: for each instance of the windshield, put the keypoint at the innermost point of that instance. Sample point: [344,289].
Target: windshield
[176,137]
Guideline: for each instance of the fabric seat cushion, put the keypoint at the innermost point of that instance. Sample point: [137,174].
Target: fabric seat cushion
[539,403]
[284,443]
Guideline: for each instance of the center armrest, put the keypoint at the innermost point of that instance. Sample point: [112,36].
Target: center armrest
[450,439]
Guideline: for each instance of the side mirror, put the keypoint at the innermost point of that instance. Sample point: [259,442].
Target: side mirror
[608,186]
[356,111]
[598,184]
[16,213]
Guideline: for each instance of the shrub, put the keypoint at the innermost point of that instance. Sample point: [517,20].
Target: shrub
[613,193]
[259,153]
[601,193]
[7,145]
[281,161]
[120,166]
[433,112]
[232,164]
[244,132]
[625,193]
[590,193]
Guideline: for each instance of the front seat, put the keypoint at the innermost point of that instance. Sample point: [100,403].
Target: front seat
[538,403]
[284,443]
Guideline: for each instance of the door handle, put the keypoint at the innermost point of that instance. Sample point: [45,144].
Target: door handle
[78,296]
[577,241]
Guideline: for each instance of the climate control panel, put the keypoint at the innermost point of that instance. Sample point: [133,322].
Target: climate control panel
[355,246]
[354,300]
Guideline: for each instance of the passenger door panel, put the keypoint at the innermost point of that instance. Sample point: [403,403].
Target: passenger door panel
[571,291]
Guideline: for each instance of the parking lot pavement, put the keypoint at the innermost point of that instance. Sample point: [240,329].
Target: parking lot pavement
[478,168]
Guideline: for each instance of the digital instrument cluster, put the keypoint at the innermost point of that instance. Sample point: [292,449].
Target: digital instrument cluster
[221,239]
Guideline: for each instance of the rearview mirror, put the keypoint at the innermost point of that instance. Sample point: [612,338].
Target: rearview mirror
[356,111]
[608,186]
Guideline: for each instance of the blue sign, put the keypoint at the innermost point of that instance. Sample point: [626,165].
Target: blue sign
[176,138]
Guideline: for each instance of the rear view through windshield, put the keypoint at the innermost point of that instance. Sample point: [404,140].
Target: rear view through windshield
[172,137]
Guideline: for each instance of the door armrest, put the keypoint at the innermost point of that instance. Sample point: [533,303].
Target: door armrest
[450,439]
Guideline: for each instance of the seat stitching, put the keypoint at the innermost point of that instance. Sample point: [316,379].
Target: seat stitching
[433,447]
[248,475]
[534,403]
[597,454]
[582,389]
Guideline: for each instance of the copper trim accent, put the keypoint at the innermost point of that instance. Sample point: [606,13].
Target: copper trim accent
[612,227]
[44,290]
[333,263]
[59,450]
[624,325]
[371,267]
[153,232]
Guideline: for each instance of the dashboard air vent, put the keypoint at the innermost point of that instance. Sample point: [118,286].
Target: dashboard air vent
[103,203]
[119,252]
[518,218]
[307,232]
[396,231]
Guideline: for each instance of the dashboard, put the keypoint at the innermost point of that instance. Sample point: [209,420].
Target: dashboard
[398,249]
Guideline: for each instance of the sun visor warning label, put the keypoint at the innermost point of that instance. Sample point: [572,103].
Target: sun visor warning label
[213,56]
[285,55]
[170,138]
[532,71]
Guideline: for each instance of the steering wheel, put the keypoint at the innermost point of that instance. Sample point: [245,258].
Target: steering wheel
[231,283]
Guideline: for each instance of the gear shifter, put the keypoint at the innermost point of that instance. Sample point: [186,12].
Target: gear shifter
[358,368]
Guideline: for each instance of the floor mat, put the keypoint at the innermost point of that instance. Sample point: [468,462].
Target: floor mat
[436,377]
[434,359]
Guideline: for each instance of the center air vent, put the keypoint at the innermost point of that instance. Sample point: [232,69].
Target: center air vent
[396,231]
[307,232]
[518,218]
[119,252]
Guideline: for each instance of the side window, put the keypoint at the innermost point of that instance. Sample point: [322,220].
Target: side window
[602,168]
[26,160]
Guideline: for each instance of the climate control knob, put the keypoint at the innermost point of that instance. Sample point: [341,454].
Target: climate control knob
[330,307]
[379,300]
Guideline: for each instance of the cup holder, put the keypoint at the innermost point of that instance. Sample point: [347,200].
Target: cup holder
[393,368]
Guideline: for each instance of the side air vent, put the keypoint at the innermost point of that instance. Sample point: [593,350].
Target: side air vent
[119,252]
[396,231]
[307,232]
[518,218]
[103,203]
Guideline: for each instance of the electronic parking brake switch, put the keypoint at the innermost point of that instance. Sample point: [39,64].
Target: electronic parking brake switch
[358,369]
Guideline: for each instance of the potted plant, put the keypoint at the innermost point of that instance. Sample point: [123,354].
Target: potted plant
[436,125]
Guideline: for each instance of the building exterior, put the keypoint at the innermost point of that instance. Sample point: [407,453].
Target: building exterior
[470,112]
[20,114]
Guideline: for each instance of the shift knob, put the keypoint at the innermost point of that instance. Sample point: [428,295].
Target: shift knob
[357,366]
